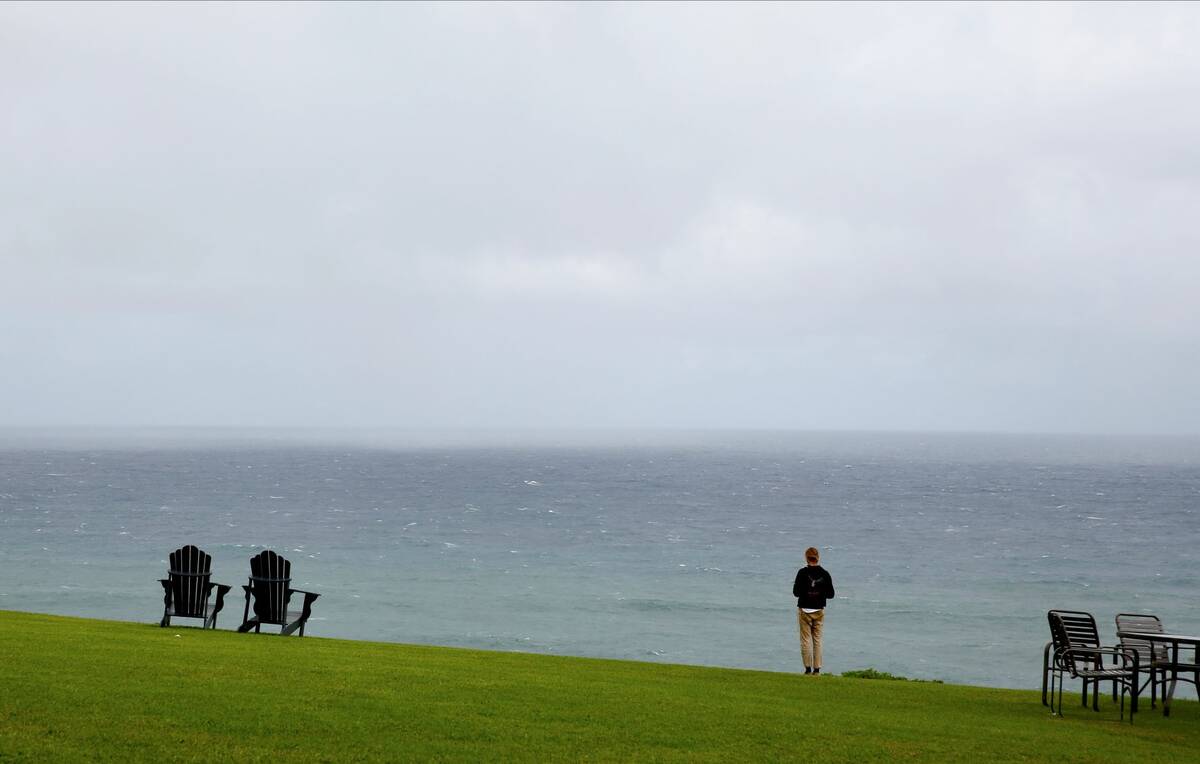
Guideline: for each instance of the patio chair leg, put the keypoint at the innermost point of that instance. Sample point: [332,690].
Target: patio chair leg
[1045,670]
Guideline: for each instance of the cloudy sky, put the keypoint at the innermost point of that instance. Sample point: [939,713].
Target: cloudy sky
[489,216]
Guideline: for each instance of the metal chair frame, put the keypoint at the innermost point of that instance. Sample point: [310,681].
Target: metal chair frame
[1085,662]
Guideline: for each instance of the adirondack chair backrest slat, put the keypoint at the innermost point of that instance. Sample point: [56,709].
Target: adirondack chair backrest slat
[270,579]
[189,575]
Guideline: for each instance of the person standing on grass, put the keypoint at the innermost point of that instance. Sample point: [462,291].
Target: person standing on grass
[813,587]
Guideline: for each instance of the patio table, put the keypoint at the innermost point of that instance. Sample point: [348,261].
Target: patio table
[1174,640]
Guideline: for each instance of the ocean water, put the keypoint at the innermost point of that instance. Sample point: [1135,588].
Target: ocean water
[946,550]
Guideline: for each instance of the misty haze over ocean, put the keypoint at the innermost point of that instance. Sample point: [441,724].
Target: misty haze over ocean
[769,216]
[946,549]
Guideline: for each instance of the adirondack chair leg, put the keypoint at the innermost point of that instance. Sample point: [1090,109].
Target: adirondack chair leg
[309,599]
[166,619]
[220,603]
[246,625]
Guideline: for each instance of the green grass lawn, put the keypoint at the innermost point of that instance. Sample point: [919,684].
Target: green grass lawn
[75,689]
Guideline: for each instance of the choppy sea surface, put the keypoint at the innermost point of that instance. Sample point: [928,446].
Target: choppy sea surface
[946,550]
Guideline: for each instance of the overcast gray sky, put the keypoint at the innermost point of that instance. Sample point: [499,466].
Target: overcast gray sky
[831,217]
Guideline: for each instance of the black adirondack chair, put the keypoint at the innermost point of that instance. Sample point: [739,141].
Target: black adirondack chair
[270,589]
[1077,653]
[189,586]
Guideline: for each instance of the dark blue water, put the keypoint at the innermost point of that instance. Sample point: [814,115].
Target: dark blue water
[946,549]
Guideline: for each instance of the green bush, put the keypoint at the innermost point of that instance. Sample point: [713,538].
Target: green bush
[871,673]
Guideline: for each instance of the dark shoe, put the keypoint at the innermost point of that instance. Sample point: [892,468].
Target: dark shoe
[807,670]
[816,671]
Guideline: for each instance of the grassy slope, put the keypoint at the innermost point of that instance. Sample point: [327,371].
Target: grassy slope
[73,688]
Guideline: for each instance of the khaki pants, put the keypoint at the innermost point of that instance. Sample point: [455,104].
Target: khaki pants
[810,637]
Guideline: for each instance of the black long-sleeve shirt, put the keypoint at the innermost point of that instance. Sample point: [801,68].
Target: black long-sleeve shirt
[813,587]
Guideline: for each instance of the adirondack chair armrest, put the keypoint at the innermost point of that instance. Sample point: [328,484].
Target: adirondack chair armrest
[309,599]
[222,590]
[166,584]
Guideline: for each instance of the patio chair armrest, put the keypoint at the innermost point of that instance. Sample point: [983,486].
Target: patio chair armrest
[166,585]
[1131,656]
[314,595]
[1116,652]
[1127,650]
